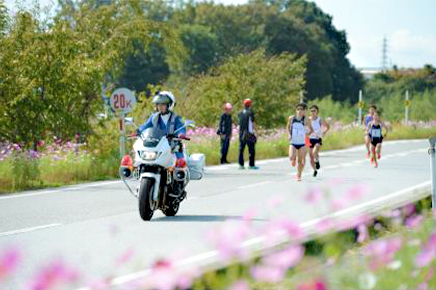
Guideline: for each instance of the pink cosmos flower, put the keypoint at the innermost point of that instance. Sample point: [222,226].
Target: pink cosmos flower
[275,201]
[163,275]
[186,278]
[249,215]
[318,284]
[354,222]
[324,225]
[228,239]
[266,273]
[9,260]
[422,286]
[240,285]
[338,204]
[100,284]
[277,230]
[125,257]
[286,258]
[382,252]
[427,253]
[53,276]
[356,192]
[408,209]
[414,221]
[313,195]
[363,233]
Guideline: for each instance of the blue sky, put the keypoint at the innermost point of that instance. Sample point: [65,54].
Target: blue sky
[409,26]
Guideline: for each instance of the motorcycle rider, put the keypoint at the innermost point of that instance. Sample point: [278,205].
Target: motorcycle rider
[164,118]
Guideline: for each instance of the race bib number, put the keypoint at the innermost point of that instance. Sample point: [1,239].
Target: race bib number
[376,133]
[298,135]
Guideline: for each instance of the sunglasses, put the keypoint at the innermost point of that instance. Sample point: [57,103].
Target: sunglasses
[313,111]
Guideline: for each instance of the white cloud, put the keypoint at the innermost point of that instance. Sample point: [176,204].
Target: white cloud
[404,49]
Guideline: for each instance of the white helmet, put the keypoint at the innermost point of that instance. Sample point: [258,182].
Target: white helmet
[165,98]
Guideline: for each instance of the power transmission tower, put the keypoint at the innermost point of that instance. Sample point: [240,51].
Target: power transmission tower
[384,54]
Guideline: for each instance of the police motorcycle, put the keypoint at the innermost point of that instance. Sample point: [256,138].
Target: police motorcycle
[162,168]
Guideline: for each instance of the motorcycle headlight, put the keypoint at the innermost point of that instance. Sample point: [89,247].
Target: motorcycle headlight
[148,155]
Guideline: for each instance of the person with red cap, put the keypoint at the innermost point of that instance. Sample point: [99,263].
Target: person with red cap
[247,135]
[225,131]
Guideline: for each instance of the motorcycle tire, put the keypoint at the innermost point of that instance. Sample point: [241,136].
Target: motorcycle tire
[172,209]
[144,196]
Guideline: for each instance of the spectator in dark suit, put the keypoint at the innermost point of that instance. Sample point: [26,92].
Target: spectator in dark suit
[247,135]
[225,131]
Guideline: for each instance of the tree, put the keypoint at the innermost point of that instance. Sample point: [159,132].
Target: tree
[273,83]
[50,76]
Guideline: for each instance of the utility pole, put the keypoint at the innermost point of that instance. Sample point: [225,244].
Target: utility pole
[361,104]
[431,152]
[384,55]
[406,113]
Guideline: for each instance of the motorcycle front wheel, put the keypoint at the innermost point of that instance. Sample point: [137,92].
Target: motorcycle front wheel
[144,197]
[172,209]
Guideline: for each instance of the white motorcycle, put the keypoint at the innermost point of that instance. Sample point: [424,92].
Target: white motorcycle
[163,168]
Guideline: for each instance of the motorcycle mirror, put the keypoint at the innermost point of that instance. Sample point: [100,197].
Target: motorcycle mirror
[129,121]
[189,123]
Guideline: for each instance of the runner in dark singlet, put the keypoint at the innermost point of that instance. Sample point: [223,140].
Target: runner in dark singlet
[366,120]
[316,138]
[375,136]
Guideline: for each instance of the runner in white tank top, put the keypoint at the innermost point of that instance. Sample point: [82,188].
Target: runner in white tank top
[297,132]
[316,138]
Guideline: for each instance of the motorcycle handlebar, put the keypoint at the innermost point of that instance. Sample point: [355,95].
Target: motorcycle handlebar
[169,136]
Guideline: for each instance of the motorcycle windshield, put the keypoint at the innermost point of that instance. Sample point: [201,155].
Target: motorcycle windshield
[152,137]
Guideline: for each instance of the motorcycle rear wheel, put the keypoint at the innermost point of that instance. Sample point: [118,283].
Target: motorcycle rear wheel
[144,197]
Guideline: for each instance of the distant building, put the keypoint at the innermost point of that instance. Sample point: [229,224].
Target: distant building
[369,72]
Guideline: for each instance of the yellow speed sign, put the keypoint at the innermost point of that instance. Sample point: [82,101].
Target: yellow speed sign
[407,103]
[362,104]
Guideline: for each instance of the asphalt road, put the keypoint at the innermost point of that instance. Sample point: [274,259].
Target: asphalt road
[91,226]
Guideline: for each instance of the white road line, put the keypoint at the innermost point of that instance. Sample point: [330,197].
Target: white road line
[259,239]
[26,230]
[253,184]
[218,168]
[58,190]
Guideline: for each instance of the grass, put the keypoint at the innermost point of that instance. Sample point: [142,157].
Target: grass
[65,167]
[278,146]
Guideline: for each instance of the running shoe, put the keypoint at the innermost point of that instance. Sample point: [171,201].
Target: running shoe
[297,177]
[367,155]
[376,164]
[317,165]
[241,167]
[315,173]
[378,155]
[253,167]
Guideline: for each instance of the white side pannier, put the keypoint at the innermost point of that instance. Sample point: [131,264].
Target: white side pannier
[196,164]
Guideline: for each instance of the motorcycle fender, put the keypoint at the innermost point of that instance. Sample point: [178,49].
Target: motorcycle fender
[156,178]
